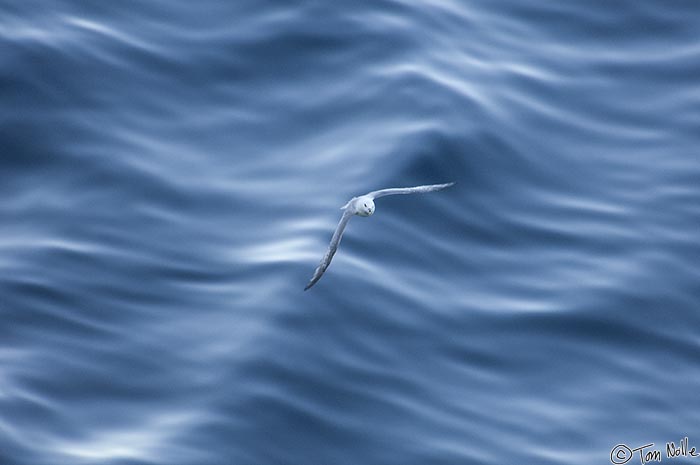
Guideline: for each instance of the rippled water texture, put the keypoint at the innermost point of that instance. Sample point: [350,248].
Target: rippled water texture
[171,173]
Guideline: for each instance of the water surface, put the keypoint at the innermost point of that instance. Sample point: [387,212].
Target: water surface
[171,174]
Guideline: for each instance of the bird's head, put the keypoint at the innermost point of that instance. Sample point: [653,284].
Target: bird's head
[364,206]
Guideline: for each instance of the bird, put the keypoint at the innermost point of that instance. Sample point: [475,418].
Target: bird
[363,206]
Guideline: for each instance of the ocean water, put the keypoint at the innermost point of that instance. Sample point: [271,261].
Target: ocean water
[171,173]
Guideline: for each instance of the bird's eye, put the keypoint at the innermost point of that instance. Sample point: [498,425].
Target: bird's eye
[365,205]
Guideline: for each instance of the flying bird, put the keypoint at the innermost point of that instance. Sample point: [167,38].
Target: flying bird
[363,206]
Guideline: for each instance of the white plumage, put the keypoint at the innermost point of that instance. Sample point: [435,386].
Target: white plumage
[363,206]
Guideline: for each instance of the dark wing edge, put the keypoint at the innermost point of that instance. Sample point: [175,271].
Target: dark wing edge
[332,247]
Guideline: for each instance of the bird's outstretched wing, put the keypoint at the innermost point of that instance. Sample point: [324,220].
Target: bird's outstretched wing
[335,240]
[408,190]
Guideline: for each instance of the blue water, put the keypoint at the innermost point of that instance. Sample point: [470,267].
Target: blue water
[171,173]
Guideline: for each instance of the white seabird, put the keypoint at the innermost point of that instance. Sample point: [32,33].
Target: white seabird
[363,206]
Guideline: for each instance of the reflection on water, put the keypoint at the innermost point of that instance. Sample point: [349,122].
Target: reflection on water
[171,176]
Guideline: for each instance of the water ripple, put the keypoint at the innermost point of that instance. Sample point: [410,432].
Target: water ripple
[171,175]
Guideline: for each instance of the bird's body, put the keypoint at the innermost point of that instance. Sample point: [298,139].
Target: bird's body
[363,206]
